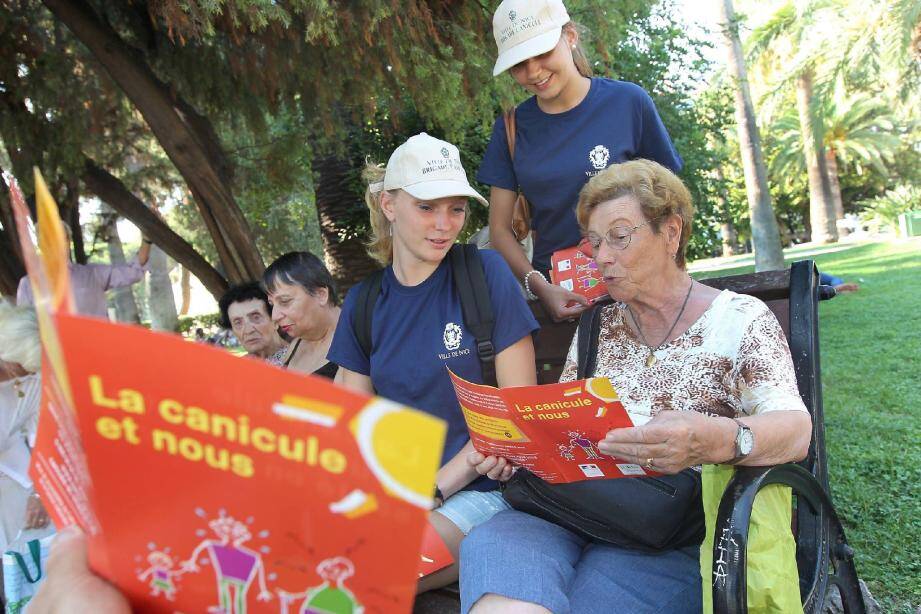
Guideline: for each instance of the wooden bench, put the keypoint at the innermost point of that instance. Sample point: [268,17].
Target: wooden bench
[823,555]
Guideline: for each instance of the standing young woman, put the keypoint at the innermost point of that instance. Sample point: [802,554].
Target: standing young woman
[418,206]
[305,307]
[571,129]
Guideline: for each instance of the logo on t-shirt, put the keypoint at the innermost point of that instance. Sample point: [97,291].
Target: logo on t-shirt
[445,152]
[512,15]
[452,336]
[599,156]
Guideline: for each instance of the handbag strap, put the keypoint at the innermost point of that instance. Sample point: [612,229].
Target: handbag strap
[35,550]
[587,340]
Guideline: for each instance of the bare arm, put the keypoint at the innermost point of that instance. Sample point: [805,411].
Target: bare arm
[559,302]
[501,207]
[354,381]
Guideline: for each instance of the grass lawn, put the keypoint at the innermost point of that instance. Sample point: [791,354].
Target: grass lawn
[871,379]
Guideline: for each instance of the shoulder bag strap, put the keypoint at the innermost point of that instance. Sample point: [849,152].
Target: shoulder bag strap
[587,342]
[476,304]
[368,291]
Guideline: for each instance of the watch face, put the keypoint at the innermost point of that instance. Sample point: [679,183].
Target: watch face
[746,442]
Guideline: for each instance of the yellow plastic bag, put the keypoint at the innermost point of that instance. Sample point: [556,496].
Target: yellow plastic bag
[773,580]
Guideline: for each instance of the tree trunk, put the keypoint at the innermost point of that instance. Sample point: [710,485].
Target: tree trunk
[831,163]
[821,205]
[204,171]
[11,269]
[126,309]
[765,234]
[113,192]
[160,299]
[727,229]
[347,259]
[70,214]
[10,234]
[186,284]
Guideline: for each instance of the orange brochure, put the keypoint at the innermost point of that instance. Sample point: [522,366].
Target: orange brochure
[552,430]
[576,271]
[210,483]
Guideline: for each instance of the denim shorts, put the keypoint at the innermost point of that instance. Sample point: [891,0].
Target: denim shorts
[469,508]
[523,557]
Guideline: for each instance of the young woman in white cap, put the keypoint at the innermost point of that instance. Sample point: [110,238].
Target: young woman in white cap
[572,127]
[418,205]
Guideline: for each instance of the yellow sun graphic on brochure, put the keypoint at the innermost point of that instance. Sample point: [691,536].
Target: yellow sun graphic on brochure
[402,447]
[601,388]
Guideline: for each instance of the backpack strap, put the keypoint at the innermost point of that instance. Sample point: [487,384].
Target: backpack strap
[476,304]
[368,291]
[587,342]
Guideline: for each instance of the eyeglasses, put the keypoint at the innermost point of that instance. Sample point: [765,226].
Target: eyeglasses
[617,237]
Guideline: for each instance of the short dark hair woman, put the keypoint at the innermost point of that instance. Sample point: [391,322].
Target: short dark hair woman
[305,307]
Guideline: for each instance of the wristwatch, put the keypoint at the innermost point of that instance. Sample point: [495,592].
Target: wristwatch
[745,441]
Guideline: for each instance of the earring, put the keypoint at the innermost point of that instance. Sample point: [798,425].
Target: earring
[574,47]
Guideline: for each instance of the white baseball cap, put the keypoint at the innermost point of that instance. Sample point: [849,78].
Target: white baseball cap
[428,168]
[525,28]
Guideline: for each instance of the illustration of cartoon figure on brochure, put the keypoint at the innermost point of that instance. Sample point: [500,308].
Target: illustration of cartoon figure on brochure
[330,597]
[160,572]
[235,566]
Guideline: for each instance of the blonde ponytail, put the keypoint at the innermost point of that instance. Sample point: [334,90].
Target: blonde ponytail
[380,247]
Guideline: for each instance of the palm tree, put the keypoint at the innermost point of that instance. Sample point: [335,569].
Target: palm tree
[792,38]
[859,132]
[883,41]
[765,234]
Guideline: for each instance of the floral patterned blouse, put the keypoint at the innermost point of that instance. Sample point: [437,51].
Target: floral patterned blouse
[733,361]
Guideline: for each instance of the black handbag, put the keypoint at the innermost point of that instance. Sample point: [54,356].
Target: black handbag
[651,514]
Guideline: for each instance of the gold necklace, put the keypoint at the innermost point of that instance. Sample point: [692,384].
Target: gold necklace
[651,359]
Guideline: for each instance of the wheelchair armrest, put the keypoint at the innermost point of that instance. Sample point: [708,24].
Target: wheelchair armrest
[731,539]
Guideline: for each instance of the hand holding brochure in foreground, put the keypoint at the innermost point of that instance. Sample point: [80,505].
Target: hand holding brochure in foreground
[552,430]
[211,483]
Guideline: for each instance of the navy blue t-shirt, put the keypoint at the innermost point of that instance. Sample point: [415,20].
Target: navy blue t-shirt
[555,154]
[417,332]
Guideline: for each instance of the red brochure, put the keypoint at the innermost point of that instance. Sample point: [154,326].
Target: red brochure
[574,270]
[434,555]
[209,483]
[552,430]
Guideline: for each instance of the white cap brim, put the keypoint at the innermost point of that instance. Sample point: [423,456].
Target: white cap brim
[528,49]
[431,190]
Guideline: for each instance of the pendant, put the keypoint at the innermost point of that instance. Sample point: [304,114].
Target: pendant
[651,359]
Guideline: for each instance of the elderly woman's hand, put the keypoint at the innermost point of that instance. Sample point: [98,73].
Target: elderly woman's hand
[36,516]
[673,441]
[493,467]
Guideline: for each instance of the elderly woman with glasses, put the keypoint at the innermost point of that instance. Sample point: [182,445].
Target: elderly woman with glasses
[710,372]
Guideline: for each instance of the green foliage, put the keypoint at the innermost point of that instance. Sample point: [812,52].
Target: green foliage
[886,208]
[208,322]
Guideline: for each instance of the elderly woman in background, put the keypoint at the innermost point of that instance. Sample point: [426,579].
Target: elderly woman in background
[305,307]
[246,311]
[20,391]
[710,372]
